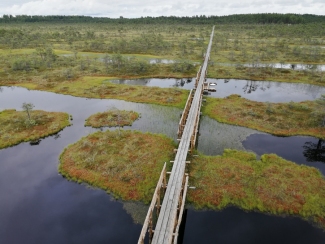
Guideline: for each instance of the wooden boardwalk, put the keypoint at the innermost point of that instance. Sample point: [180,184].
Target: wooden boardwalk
[171,210]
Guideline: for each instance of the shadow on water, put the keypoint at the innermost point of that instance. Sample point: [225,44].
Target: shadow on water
[299,149]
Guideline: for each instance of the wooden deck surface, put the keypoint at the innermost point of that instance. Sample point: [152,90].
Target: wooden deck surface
[167,219]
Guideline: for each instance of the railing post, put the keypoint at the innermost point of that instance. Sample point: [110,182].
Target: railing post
[150,227]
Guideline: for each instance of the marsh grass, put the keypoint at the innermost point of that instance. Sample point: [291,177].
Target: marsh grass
[112,118]
[282,119]
[14,129]
[271,185]
[127,164]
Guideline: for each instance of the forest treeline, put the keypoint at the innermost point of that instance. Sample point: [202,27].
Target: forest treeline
[267,18]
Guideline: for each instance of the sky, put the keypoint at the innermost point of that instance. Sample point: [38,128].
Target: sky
[138,8]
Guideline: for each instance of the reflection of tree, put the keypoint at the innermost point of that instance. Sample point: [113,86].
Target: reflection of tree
[263,88]
[1,89]
[315,152]
[57,136]
[179,83]
[35,142]
[250,86]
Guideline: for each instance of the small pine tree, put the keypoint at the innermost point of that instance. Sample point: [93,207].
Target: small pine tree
[28,107]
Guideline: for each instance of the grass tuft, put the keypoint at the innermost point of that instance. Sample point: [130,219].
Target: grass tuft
[112,118]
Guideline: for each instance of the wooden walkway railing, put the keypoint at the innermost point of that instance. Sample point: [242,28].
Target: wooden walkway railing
[171,210]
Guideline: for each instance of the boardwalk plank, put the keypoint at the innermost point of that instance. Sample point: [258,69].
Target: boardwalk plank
[168,214]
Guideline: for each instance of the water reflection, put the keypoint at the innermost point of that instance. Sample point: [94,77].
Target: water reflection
[35,142]
[299,149]
[138,82]
[267,91]
[250,86]
[309,67]
[180,83]
[314,152]
[235,226]
[262,91]
[56,136]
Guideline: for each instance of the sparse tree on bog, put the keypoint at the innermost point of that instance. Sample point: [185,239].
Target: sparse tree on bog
[28,107]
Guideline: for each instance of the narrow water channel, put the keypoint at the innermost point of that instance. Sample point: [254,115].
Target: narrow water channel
[39,206]
[261,91]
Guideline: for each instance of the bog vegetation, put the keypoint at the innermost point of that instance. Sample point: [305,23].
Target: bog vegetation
[125,163]
[129,164]
[19,126]
[112,118]
[282,119]
[271,185]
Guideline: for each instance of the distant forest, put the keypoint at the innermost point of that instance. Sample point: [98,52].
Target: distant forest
[269,18]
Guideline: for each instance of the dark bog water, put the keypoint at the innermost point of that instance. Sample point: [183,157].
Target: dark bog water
[263,91]
[37,205]
[299,149]
[234,226]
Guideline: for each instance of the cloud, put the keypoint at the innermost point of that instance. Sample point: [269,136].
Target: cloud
[132,8]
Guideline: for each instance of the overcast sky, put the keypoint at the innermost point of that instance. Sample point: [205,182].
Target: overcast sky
[133,8]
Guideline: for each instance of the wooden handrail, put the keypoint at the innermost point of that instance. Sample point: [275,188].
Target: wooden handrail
[152,206]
